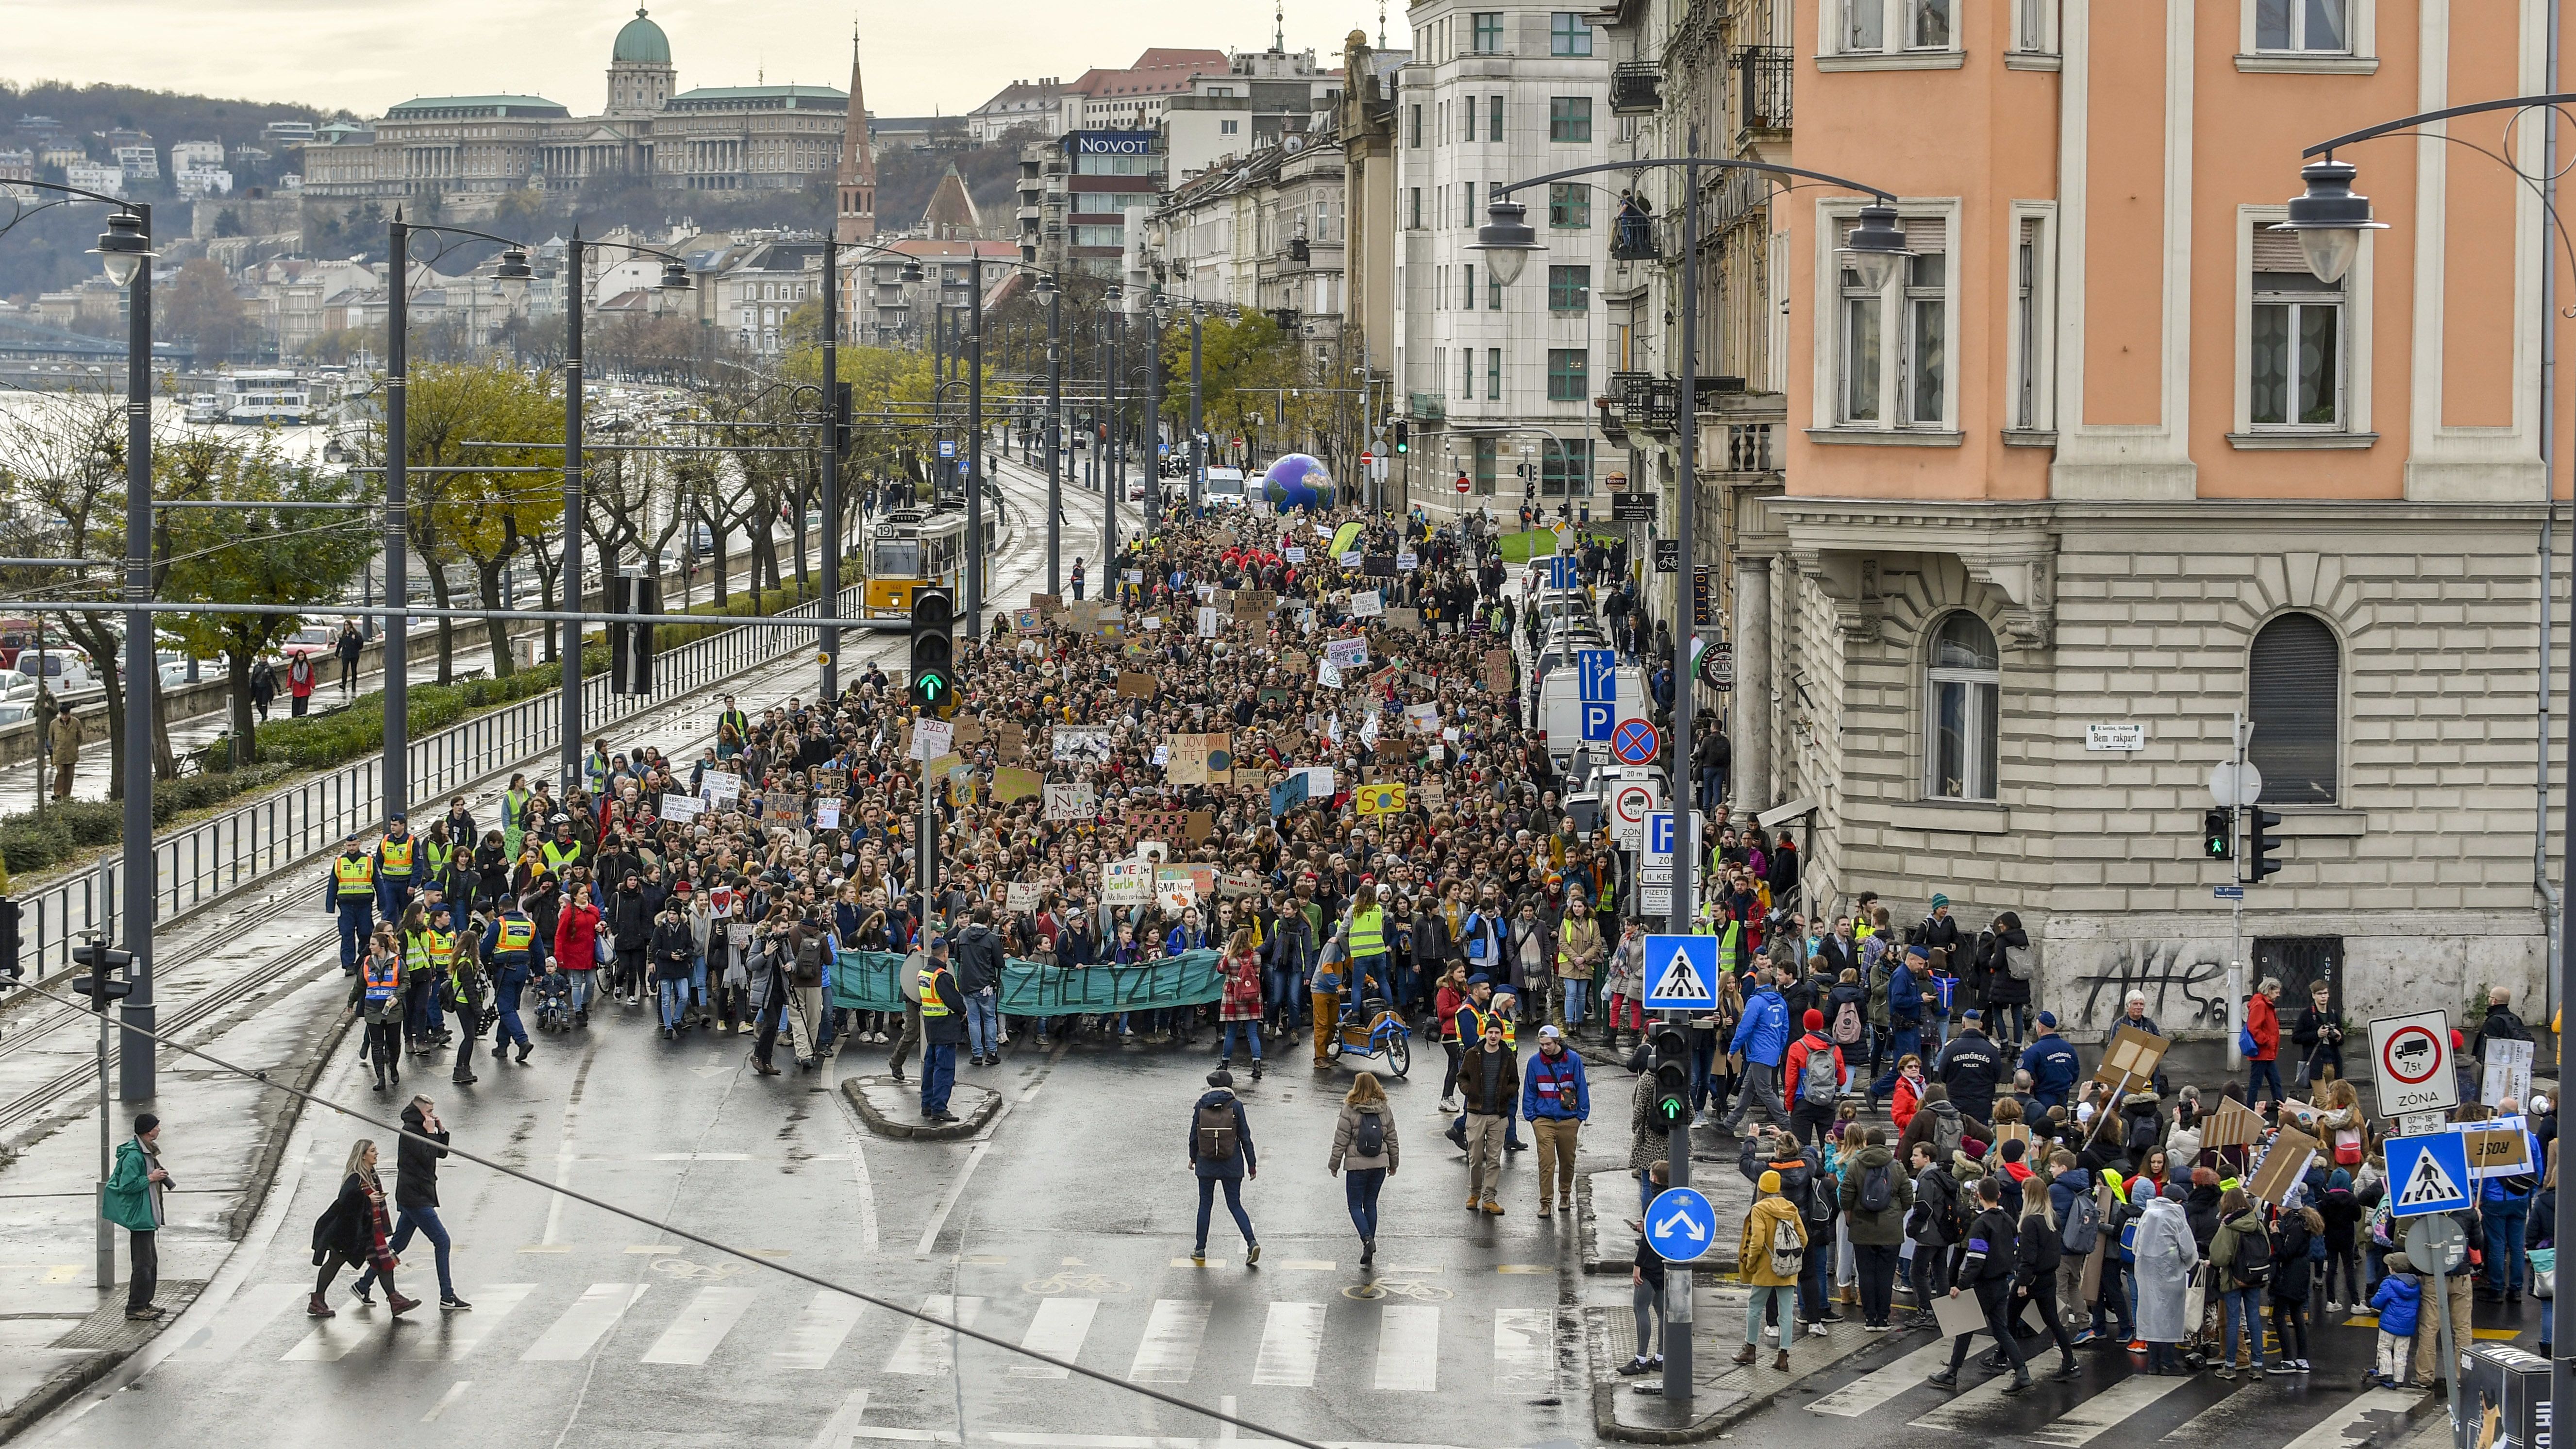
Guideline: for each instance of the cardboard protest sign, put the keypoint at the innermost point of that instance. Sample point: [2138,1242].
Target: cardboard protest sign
[1011,741]
[720,789]
[961,787]
[830,782]
[1378,565]
[2302,1115]
[1016,784]
[2131,1057]
[1347,654]
[2501,1148]
[676,806]
[1423,717]
[2283,1165]
[2233,1125]
[782,807]
[1235,887]
[1288,794]
[1254,604]
[1367,604]
[1498,670]
[1294,661]
[2508,1071]
[931,738]
[1071,802]
[969,731]
[1157,823]
[1127,882]
[1176,887]
[827,814]
[1434,794]
[1028,621]
[1017,896]
[1200,826]
[1045,603]
[1207,621]
[1293,553]
[1135,685]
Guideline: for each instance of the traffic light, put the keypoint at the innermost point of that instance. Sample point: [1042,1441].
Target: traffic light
[2218,835]
[9,968]
[630,646]
[934,650]
[2259,847]
[106,979]
[1672,1107]
[1403,436]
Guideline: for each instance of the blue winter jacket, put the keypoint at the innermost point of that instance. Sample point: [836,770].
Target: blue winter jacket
[2399,1300]
[1763,1034]
[2053,1067]
[1905,995]
[1542,1088]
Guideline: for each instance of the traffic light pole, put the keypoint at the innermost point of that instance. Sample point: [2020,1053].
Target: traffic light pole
[2250,812]
[107,1138]
[1055,442]
[828,642]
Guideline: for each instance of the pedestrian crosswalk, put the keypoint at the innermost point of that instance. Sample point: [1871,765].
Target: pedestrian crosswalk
[2317,1411]
[1387,1342]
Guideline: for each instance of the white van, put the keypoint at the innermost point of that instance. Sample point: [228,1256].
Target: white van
[1559,706]
[1224,488]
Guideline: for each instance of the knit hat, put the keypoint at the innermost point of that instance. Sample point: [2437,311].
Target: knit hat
[144,1123]
[1975,1149]
[1815,1020]
[2400,1263]
[2014,1148]
[2175,1191]
[1939,900]
[1220,1078]
[1770,1181]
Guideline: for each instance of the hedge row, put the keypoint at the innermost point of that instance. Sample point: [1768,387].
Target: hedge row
[320,741]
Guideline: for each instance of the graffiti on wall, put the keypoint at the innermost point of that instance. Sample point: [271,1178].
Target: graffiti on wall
[2185,983]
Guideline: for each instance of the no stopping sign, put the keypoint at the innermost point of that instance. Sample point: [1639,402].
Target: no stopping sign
[2411,1057]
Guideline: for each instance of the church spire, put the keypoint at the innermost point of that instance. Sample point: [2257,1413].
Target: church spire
[857,220]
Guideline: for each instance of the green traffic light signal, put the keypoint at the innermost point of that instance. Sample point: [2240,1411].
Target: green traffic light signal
[2218,834]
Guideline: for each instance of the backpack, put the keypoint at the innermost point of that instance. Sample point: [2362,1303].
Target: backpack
[1877,1187]
[1847,1024]
[2082,1231]
[2142,1134]
[2019,962]
[2253,1265]
[1819,1086]
[2347,1147]
[1788,1254]
[1949,1129]
[1367,1140]
[1214,1124]
[1820,1198]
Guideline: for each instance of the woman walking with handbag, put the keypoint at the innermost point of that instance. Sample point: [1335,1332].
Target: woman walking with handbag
[352,1232]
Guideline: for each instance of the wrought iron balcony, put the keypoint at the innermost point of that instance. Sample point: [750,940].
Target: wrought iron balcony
[1636,88]
[1768,72]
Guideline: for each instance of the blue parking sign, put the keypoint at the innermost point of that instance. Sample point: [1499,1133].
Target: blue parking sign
[1659,836]
[1597,719]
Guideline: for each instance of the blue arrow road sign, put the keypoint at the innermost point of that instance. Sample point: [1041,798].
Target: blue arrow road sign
[1600,670]
[1561,571]
[1681,1225]
[1681,973]
[2428,1174]
[1597,719]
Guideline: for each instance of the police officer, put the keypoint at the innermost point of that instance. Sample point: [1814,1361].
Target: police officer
[2053,1065]
[395,863]
[510,945]
[943,1029]
[352,894]
[1971,1067]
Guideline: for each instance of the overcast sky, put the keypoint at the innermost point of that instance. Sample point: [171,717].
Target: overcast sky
[369,54]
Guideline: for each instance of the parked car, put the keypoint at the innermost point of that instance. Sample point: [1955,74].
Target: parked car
[313,639]
[63,672]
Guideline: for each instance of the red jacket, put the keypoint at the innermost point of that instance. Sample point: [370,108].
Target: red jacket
[2265,1023]
[1809,1047]
[577,936]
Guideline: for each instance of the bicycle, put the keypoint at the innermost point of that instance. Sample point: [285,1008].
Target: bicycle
[1063,1282]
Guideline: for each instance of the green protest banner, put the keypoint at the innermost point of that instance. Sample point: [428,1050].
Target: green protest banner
[871,981]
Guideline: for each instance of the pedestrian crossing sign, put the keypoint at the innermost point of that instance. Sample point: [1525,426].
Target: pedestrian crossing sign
[1681,973]
[2431,1174]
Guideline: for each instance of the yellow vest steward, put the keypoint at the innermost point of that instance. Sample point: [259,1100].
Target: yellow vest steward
[439,856]
[356,877]
[1368,933]
[518,933]
[397,855]
[562,854]
[441,946]
[931,1005]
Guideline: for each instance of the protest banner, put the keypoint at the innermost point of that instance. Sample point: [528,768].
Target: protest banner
[1498,670]
[1385,799]
[1010,784]
[1071,802]
[2284,1163]
[1081,746]
[1127,882]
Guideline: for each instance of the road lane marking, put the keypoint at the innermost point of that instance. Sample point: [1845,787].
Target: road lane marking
[817,1334]
[1524,1350]
[838,1430]
[948,1200]
[240,1321]
[595,1312]
[1291,1342]
[1058,1329]
[457,1333]
[454,1392]
[2337,1430]
[1169,1352]
[1408,1348]
[924,1350]
[1880,1385]
[701,1326]
[2113,1406]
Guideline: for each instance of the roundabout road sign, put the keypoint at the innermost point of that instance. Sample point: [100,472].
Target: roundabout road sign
[1635,742]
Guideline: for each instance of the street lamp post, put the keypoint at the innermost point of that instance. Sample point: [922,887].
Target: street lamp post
[2328,217]
[1156,311]
[975,449]
[1874,250]
[1054,296]
[125,248]
[1198,438]
[1113,471]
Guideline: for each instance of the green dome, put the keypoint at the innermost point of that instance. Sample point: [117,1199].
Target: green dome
[642,41]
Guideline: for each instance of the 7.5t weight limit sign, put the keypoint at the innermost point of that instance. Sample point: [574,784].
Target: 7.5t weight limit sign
[2412,1058]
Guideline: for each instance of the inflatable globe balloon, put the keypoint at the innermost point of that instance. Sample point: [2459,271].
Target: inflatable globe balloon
[1298,481]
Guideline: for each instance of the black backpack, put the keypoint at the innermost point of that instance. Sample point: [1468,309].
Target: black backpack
[1214,1124]
[1367,1140]
[2252,1267]
[1877,1187]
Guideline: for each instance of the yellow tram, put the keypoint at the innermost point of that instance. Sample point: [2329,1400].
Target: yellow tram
[911,549]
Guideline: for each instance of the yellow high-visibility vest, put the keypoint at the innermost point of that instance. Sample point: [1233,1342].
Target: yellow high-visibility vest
[931,1005]
[355,877]
[518,932]
[1368,933]
[397,855]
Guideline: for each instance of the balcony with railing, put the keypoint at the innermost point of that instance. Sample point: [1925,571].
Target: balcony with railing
[1636,88]
[1766,73]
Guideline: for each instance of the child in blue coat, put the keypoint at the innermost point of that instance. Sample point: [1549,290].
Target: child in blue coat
[2399,1302]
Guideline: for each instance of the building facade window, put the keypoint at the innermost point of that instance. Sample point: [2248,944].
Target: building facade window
[1494,117]
[2296,340]
[1874,26]
[1493,374]
[1413,207]
[2035,26]
[1467,114]
[1567,34]
[1569,119]
[2294,696]
[1467,287]
[1890,355]
[1413,126]
[1569,205]
[2029,343]
[1566,469]
[1569,375]
[1569,289]
[1489,32]
[2303,26]
[1963,687]
[1466,373]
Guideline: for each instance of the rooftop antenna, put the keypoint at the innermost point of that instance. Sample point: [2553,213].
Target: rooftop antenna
[1381,24]
[1279,26]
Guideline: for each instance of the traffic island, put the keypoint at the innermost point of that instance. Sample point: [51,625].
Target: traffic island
[893,1109]
[1723,1394]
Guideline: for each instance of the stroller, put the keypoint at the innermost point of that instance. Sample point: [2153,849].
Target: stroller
[554,1000]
